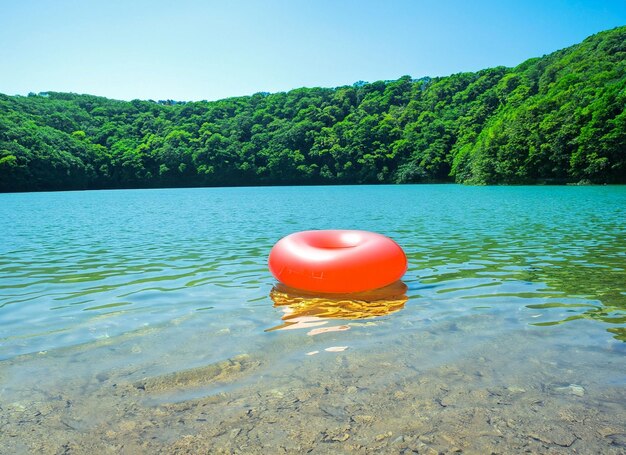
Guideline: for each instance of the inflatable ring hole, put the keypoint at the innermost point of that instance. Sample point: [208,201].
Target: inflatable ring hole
[325,240]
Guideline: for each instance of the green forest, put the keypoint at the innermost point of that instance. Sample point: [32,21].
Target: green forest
[555,119]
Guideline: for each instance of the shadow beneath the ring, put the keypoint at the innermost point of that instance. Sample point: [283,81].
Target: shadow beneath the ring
[305,309]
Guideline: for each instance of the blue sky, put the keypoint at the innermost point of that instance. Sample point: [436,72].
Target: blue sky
[194,50]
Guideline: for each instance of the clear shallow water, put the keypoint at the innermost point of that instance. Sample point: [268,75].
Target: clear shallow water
[143,283]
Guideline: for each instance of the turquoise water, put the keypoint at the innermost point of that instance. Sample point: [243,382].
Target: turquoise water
[141,283]
[80,266]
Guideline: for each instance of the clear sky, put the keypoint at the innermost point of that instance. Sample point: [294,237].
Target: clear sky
[195,49]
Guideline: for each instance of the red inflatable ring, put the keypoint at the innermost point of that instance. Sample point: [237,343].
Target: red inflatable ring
[337,261]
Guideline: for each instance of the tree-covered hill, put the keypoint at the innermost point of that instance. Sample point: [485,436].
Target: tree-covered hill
[559,118]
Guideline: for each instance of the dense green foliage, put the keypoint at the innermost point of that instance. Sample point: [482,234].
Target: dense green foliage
[559,118]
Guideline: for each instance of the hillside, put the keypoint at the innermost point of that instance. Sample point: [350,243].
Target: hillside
[555,119]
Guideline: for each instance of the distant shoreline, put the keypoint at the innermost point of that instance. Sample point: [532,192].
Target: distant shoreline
[537,184]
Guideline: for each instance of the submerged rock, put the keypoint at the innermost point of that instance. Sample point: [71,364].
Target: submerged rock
[572,389]
[226,370]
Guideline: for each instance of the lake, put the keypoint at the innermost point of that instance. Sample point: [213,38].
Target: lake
[144,321]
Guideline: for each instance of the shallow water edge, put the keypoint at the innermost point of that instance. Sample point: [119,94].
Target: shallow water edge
[386,400]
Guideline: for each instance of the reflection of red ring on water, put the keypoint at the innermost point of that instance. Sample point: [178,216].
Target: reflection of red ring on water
[337,261]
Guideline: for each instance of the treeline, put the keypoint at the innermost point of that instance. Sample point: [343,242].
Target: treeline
[555,119]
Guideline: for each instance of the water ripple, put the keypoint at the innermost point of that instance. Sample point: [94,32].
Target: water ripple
[76,267]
